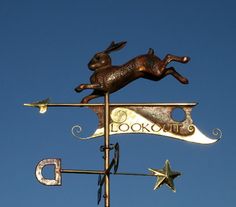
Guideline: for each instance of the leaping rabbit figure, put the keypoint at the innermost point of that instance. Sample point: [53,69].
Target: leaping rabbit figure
[108,78]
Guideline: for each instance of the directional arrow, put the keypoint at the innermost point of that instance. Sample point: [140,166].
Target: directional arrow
[141,118]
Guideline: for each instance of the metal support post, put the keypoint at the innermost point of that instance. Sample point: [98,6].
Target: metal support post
[107,152]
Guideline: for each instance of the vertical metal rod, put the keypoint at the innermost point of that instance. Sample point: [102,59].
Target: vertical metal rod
[107,151]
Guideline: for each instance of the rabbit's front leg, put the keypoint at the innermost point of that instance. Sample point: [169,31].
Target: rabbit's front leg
[87,86]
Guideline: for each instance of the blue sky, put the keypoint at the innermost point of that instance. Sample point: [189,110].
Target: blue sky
[44,50]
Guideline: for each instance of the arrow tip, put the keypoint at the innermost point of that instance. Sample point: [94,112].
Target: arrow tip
[42,105]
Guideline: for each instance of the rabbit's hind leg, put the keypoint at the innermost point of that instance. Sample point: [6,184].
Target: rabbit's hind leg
[173,72]
[168,58]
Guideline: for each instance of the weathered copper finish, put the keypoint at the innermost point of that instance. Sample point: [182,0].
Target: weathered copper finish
[108,78]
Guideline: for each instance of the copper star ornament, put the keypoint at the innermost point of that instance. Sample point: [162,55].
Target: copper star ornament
[165,176]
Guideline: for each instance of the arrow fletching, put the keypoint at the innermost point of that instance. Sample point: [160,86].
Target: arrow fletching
[42,105]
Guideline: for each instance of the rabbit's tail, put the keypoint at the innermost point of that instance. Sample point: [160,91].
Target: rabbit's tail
[150,51]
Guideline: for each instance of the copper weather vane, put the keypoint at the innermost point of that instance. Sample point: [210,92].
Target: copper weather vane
[108,78]
[145,118]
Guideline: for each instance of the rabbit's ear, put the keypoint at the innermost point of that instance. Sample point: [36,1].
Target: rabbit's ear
[115,46]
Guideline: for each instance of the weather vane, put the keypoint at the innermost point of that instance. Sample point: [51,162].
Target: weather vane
[144,118]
